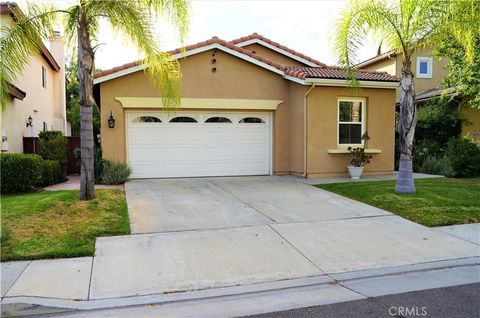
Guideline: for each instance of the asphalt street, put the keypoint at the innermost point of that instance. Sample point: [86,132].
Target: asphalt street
[449,302]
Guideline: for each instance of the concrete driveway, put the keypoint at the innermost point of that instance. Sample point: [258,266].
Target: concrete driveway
[165,205]
[219,232]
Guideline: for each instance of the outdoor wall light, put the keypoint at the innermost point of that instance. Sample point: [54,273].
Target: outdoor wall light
[29,121]
[111,121]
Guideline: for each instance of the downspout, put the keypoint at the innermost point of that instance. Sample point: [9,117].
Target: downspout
[305,131]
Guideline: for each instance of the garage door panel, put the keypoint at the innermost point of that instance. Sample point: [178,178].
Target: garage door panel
[166,149]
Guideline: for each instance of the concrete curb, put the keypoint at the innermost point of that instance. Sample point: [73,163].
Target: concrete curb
[27,306]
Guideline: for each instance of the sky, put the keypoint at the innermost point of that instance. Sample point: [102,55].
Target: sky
[305,26]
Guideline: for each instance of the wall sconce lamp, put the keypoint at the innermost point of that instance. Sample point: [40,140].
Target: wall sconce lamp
[111,121]
[29,121]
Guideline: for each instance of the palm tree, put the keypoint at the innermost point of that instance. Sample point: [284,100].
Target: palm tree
[132,18]
[403,25]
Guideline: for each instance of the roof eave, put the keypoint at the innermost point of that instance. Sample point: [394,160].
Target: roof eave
[375,59]
[8,8]
[16,92]
[346,83]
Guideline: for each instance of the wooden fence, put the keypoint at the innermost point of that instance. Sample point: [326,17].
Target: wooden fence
[32,145]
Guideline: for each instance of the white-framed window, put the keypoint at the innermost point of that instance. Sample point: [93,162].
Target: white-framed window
[351,121]
[424,67]
[44,77]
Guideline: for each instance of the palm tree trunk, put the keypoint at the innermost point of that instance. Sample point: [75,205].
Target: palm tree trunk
[85,80]
[406,130]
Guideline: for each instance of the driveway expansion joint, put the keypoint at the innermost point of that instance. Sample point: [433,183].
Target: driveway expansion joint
[247,204]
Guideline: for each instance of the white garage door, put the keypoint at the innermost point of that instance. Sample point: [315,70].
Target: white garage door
[181,144]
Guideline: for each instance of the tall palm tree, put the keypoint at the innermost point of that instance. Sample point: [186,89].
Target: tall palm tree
[403,25]
[132,18]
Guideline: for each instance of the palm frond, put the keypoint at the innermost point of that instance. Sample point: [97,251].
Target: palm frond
[21,39]
[134,20]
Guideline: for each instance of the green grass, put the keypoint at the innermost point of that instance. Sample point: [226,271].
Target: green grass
[51,224]
[437,201]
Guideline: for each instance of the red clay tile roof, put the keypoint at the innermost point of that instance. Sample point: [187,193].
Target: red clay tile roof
[276,44]
[299,72]
[333,72]
[195,46]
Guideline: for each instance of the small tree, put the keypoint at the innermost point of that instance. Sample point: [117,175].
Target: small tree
[132,18]
[404,25]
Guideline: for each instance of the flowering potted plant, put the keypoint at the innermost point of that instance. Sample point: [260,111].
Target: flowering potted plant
[359,160]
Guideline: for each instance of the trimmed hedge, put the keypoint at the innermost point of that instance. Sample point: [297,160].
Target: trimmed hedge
[51,172]
[20,172]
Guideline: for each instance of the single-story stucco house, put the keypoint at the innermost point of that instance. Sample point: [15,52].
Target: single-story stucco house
[249,107]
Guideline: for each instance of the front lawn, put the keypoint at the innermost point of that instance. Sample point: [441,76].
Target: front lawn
[50,224]
[437,201]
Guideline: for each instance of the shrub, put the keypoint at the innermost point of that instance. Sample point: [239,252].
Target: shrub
[438,120]
[426,148]
[464,157]
[440,166]
[20,172]
[51,172]
[54,146]
[98,164]
[115,172]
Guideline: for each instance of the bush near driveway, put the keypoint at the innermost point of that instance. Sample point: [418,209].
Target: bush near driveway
[20,172]
[51,224]
[438,201]
[115,172]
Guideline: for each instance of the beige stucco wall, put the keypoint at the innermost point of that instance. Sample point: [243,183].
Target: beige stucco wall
[238,79]
[394,66]
[272,55]
[439,70]
[42,104]
[234,78]
[471,128]
[38,103]
[386,65]
[322,130]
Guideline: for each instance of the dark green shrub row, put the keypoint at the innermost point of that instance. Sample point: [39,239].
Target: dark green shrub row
[20,172]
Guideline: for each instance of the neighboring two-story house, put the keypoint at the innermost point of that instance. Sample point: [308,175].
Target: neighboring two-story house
[38,98]
[429,73]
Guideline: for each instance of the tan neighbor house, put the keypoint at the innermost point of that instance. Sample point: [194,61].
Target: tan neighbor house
[429,73]
[37,96]
[249,107]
